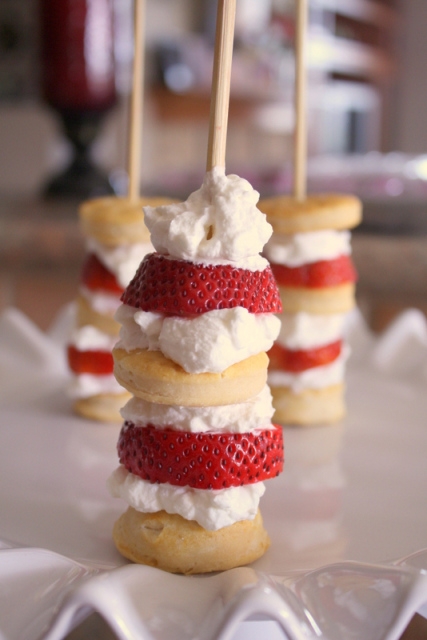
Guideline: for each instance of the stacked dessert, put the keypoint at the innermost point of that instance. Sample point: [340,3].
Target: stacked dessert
[310,258]
[116,241]
[197,440]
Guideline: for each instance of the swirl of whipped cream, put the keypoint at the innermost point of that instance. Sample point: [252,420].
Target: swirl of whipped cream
[254,413]
[218,224]
[306,331]
[211,509]
[90,338]
[211,342]
[100,301]
[85,385]
[303,248]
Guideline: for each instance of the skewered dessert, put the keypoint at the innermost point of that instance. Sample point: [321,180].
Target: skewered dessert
[197,441]
[116,241]
[310,258]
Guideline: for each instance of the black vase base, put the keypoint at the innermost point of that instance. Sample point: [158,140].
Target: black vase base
[80,181]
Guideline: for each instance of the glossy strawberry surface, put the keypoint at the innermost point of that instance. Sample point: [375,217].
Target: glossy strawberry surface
[179,287]
[95,362]
[298,360]
[324,273]
[96,277]
[210,460]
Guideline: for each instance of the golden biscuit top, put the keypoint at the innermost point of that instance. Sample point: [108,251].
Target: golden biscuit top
[315,213]
[114,220]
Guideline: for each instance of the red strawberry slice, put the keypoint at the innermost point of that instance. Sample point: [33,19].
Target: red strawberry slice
[179,287]
[325,273]
[299,360]
[201,460]
[96,277]
[95,362]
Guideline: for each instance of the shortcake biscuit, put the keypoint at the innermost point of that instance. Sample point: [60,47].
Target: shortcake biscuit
[169,542]
[116,220]
[287,215]
[319,300]
[153,377]
[104,407]
[308,407]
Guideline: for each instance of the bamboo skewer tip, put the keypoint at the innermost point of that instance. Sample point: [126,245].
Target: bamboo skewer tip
[221,80]
[136,103]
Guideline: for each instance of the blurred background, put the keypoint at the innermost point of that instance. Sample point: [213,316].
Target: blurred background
[65,68]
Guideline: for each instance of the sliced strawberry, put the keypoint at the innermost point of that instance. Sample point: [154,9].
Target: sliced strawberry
[299,360]
[96,277]
[325,273]
[96,362]
[201,460]
[179,287]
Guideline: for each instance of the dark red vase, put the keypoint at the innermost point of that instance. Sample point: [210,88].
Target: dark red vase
[78,82]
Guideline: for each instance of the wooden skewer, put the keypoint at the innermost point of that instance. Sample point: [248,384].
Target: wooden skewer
[135,120]
[221,78]
[300,142]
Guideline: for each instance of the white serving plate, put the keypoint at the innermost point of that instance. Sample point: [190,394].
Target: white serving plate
[352,500]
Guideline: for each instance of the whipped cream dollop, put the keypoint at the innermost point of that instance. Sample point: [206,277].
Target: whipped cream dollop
[103,303]
[218,224]
[90,338]
[255,413]
[85,385]
[297,249]
[314,378]
[211,509]
[211,342]
[121,260]
[307,331]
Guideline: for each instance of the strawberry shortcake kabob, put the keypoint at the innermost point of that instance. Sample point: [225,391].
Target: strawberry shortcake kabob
[310,253]
[197,441]
[116,240]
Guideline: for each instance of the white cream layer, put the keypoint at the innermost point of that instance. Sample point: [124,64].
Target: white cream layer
[85,385]
[90,338]
[307,331]
[122,260]
[104,303]
[218,224]
[302,248]
[211,342]
[315,378]
[213,510]
[255,413]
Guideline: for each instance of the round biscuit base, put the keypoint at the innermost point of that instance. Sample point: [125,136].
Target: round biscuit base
[103,407]
[309,407]
[325,300]
[153,377]
[116,220]
[315,213]
[173,544]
